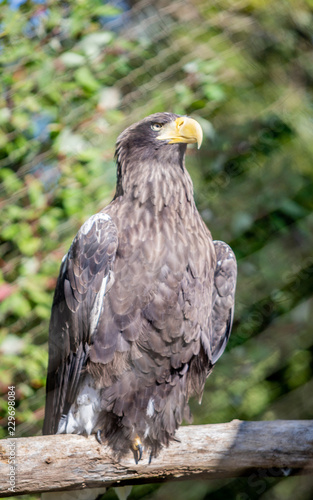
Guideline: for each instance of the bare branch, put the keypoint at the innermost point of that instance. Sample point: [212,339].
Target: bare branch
[67,462]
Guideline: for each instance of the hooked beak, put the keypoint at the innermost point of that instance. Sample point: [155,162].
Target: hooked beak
[183,129]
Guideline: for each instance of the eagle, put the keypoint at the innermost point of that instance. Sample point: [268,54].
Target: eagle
[144,302]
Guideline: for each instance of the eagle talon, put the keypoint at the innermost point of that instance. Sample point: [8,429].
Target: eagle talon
[138,454]
[137,449]
[98,436]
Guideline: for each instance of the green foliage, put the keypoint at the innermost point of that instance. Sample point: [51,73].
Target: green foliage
[73,75]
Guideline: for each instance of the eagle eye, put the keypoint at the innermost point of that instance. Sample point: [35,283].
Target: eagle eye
[156,126]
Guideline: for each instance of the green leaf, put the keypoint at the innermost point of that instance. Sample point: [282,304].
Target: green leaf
[85,79]
[15,304]
[72,59]
[10,180]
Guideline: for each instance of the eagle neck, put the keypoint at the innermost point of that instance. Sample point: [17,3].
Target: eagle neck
[155,185]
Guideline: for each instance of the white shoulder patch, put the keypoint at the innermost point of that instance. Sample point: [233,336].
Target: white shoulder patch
[97,306]
[90,222]
[150,408]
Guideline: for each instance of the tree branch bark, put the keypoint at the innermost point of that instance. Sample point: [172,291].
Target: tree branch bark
[67,462]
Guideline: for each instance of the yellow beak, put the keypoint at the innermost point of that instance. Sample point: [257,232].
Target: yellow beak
[183,129]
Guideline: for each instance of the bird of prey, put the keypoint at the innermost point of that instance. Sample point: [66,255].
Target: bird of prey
[144,302]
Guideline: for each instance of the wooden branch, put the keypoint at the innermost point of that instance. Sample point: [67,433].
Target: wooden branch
[67,462]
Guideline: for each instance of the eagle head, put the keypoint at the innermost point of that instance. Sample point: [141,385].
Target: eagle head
[157,131]
[153,144]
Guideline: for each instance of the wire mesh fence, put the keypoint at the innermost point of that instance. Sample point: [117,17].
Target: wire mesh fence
[75,74]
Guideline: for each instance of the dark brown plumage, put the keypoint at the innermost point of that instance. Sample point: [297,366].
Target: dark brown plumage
[144,302]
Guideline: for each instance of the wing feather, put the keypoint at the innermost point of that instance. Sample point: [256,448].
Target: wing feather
[83,281]
[223,298]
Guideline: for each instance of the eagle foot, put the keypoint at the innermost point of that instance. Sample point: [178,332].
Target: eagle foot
[137,449]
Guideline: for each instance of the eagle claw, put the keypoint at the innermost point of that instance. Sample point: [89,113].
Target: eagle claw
[137,450]
[98,436]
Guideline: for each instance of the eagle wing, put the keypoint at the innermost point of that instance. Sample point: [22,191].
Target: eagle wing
[85,277]
[223,298]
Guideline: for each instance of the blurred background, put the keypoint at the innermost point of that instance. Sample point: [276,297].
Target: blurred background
[73,75]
